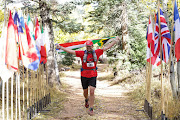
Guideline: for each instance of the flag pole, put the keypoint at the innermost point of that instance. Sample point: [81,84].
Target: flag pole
[27,88]
[150,67]
[3,81]
[16,96]
[37,86]
[23,92]
[172,29]
[12,78]
[3,99]
[162,89]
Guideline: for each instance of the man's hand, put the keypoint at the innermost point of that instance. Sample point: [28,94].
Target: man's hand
[117,39]
[58,46]
[114,41]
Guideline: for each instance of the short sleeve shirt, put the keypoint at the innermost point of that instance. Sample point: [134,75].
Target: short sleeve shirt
[89,73]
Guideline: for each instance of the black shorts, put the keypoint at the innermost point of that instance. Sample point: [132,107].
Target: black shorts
[88,82]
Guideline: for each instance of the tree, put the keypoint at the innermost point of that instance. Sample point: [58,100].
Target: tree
[122,17]
[53,15]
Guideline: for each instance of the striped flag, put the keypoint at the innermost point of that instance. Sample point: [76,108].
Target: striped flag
[5,73]
[177,32]
[37,28]
[33,51]
[80,44]
[23,43]
[40,42]
[165,38]
[11,46]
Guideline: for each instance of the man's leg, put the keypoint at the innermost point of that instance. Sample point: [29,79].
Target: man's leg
[84,83]
[85,93]
[91,97]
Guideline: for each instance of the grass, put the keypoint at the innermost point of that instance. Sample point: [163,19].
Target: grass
[172,106]
[108,77]
[55,107]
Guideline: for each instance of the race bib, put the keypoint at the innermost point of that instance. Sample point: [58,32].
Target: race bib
[90,64]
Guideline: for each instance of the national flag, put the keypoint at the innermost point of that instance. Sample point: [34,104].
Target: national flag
[5,73]
[103,41]
[45,45]
[47,41]
[25,50]
[37,28]
[165,38]
[33,50]
[150,43]
[177,32]
[40,42]
[80,44]
[11,46]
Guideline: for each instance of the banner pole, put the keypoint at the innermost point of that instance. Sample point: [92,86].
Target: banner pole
[3,100]
[162,89]
[12,79]
[23,92]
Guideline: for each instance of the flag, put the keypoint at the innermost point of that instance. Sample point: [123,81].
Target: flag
[33,51]
[5,73]
[165,38]
[150,43]
[24,49]
[45,45]
[47,41]
[40,42]
[11,46]
[103,41]
[37,28]
[177,32]
[80,44]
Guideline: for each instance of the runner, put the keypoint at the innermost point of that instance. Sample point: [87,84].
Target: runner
[89,59]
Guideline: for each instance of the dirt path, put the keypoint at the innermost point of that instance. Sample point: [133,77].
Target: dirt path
[111,103]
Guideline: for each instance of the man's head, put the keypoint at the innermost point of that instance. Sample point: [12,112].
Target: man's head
[89,45]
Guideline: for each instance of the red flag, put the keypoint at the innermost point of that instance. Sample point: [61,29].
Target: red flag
[40,42]
[37,29]
[32,54]
[11,48]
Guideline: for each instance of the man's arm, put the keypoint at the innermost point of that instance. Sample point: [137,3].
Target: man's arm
[66,49]
[111,44]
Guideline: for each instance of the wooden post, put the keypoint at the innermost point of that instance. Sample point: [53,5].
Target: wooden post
[40,86]
[162,88]
[12,79]
[3,100]
[16,96]
[37,85]
[27,88]
[19,104]
[23,92]
[7,98]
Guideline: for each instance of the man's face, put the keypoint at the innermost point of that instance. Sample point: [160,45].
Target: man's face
[89,48]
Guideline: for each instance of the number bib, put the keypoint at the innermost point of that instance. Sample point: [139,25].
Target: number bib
[91,64]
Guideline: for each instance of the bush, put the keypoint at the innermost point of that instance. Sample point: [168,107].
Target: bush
[68,59]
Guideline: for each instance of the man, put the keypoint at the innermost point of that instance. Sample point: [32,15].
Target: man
[89,59]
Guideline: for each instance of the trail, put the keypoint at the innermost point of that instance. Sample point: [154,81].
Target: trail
[111,102]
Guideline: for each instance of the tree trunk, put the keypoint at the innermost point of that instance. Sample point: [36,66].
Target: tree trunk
[172,79]
[165,10]
[53,72]
[178,76]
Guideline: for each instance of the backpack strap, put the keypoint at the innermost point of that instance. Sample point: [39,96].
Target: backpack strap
[85,56]
[94,56]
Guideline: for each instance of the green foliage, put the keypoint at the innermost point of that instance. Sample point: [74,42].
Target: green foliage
[60,14]
[68,59]
[105,16]
[138,19]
